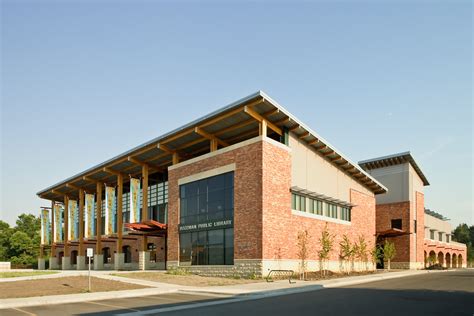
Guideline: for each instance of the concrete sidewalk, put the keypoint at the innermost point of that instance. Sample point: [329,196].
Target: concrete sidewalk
[257,289]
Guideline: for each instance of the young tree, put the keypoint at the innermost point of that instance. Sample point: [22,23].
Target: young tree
[376,255]
[389,251]
[303,238]
[345,252]
[361,249]
[326,242]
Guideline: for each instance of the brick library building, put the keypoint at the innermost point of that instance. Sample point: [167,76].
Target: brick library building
[229,193]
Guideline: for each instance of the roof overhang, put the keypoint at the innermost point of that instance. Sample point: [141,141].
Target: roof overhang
[391,160]
[229,125]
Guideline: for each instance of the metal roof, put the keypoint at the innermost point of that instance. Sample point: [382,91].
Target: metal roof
[436,215]
[231,124]
[395,159]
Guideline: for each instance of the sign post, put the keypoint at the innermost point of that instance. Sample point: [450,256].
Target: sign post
[90,253]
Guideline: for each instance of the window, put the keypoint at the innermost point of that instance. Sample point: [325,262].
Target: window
[440,236]
[414,226]
[207,209]
[207,200]
[211,247]
[432,234]
[397,223]
[107,255]
[298,202]
[447,238]
[331,210]
[127,254]
[346,214]
[316,207]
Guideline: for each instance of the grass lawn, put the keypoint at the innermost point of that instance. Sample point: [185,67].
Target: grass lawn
[188,279]
[15,274]
[60,286]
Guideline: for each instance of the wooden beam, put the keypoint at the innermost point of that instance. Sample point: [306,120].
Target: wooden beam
[111,171]
[305,134]
[260,118]
[294,128]
[329,153]
[165,148]
[314,141]
[283,120]
[175,158]
[209,136]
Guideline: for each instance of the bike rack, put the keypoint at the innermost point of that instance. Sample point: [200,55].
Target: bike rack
[280,273]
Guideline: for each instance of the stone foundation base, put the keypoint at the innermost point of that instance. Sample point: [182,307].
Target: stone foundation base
[41,264]
[98,262]
[143,260]
[66,264]
[119,261]
[404,265]
[249,268]
[53,263]
[81,263]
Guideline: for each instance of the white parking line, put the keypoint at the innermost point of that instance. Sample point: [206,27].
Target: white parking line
[113,306]
[25,312]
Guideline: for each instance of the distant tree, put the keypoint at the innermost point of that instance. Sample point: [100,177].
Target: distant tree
[5,233]
[465,234]
[389,252]
[326,243]
[29,224]
[20,244]
[462,234]
[303,238]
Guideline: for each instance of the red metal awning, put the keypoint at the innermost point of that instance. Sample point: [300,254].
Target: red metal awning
[392,232]
[147,226]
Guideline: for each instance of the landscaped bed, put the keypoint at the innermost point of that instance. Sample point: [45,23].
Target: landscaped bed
[186,279]
[16,274]
[59,286]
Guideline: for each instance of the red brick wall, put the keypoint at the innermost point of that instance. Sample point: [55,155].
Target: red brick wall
[247,199]
[420,226]
[387,212]
[281,227]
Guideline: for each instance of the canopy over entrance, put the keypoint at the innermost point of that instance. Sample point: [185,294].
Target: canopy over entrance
[392,232]
[149,228]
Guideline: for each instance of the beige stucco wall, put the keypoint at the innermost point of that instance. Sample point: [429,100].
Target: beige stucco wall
[432,222]
[312,172]
[396,179]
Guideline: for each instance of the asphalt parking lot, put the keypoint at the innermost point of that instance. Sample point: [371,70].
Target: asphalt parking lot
[445,293]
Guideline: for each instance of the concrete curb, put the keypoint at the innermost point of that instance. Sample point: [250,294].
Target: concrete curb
[77,298]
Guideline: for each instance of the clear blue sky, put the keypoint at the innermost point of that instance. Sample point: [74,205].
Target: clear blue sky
[86,80]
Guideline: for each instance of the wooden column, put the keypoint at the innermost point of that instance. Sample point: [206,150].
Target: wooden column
[175,158]
[144,201]
[53,244]
[98,245]
[213,144]
[66,223]
[119,212]
[81,222]
[263,128]
[144,193]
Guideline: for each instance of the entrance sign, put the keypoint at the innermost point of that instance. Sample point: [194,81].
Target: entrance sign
[45,227]
[134,200]
[90,252]
[110,209]
[73,220]
[89,222]
[206,226]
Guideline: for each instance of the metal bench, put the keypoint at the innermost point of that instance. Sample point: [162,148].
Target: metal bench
[280,274]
